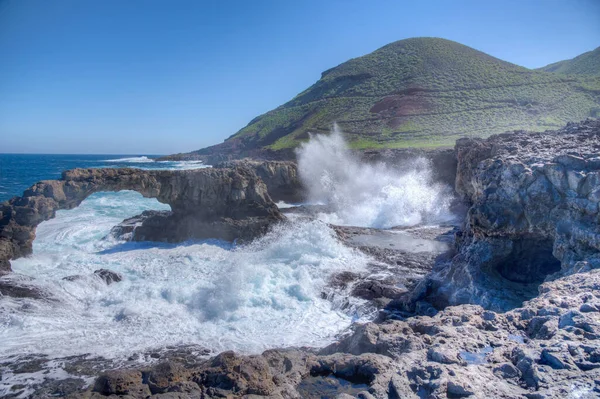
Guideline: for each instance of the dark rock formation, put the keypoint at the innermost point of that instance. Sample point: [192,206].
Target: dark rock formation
[108,276]
[126,229]
[400,261]
[205,203]
[534,212]
[281,177]
[19,286]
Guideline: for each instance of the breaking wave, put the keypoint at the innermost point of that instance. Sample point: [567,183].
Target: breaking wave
[210,293]
[361,194]
[146,163]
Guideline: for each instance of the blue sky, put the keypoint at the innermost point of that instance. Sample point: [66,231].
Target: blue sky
[157,77]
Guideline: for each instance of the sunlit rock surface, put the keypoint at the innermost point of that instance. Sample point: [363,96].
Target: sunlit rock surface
[281,177]
[534,213]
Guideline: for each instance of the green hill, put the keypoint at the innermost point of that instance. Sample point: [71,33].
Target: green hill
[584,64]
[422,92]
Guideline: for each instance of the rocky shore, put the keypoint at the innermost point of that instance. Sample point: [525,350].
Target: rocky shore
[504,305]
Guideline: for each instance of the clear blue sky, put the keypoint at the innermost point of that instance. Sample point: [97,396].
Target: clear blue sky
[157,76]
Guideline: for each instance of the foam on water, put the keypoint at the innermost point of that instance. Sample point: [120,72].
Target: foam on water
[266,294]
[361,194]
[144,162]
[184,165]
[142,159]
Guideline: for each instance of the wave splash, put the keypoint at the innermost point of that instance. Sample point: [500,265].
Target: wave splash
[361,194]
[248,298]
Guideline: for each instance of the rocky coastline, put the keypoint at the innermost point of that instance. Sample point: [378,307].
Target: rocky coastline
[505,304]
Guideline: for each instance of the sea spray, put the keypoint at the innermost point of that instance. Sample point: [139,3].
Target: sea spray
[361,194]
[209,293]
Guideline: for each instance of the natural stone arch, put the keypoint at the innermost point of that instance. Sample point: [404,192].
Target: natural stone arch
[219,203]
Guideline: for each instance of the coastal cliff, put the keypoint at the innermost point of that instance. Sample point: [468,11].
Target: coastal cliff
[534,211]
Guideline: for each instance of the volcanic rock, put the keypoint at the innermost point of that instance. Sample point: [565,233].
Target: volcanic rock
[534,214]
[205,203]
[281,177]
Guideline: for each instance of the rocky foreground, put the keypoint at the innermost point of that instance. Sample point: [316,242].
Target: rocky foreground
[510,308]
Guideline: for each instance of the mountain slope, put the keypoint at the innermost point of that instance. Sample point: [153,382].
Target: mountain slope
[421,92]
[584,64]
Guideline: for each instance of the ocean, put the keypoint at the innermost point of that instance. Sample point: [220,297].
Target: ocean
[20,171]
[208,293]
[273,292]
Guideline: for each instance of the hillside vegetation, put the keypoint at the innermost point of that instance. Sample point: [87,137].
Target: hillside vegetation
[584,64]
[422,92]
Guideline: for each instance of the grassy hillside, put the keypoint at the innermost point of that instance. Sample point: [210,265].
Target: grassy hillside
[422,92]
[584,64]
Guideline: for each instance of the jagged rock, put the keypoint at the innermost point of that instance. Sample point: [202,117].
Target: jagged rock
[506,371]
[532,214]
[125,230]
[281,177]
[108,276]
[456,390]
[243,375]
[442,356]
[397,269]
[18,286]
[390,338]
[205,203]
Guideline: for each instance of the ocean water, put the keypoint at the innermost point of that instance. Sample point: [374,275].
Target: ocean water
[209,293]
[270,293]
[20,171]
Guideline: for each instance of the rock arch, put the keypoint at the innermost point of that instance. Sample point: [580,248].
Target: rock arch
[224,203]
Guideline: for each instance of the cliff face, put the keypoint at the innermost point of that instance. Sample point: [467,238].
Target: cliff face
[535,201]
[205,203]
[281,177]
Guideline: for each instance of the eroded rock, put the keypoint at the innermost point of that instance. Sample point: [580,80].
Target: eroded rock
[205,203]
[533,214]
[281,177]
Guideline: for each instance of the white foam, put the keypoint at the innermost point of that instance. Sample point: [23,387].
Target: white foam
[146,163]
[142,159]
[264,295]
[184,165]
[367,195]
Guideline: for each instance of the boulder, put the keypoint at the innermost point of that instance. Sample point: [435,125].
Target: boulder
[108,276]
